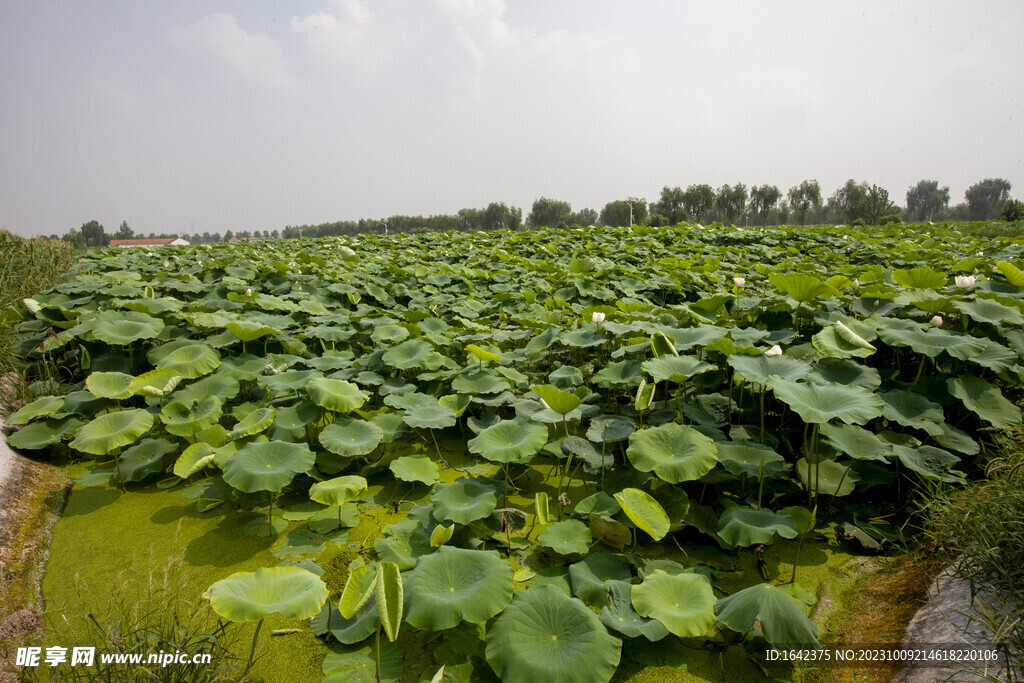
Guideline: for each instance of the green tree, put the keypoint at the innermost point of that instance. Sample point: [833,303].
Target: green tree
[1013,211]
[878,208]
[621,211]
[731,201]
[926,200]
[848,201]
[75,238]
[803,197]
[498,216]
[548,212]
[583,217]
[94,235]
[671,204]
[986,198]
[124,232]
[763,199]
[697,201]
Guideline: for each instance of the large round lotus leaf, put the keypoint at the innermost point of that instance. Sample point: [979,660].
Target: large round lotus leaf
[463,501]
[684,338]
[191,360]
[510,441]
[751,459]
[744,527]
[220,385]
[829,477]
[415,468]
[675,369]
[566,538]
[41,407]
[292,592]
[454,585]
[335,394]
[109,432]
[623,372]
[121,328]
[953,438]
[429,416]
[986,400]
[758,369]
[268,466]
[351,437]
[674,452]
[801,286]
[645,512]
[544,635]
[109,385]
[253,423]
[769,611]
[912,410]
[589,576]
[683,603]
[337,491]
[932,342]
[562,402]
[921,277]
[43,433]
[248,331]
[988,311]
[144,458]
[815,402]
[844,371]
[480,382]
[413,353]
[930,462]
[856,442]
[618,614]
[182,419]
[393,333]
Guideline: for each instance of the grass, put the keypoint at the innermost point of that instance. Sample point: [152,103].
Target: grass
[26,267]
[978,531]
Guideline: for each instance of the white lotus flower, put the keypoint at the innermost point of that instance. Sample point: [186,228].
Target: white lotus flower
[739,281]
[248,291]
[965,281]
[937,321]
[774,351]
[981,253]
[597,317]
[32,305]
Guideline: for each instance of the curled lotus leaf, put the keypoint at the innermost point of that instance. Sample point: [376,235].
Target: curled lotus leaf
[292,592]
[41,407]
[767,610]
[337,491]
[644,511]
[253,423]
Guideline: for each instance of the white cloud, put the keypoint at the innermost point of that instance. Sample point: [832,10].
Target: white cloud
[255,57]
[350,35]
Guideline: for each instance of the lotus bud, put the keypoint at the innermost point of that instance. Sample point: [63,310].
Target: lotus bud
[248,291]
[937,321]
[965,281]
[739,281]
[856,283]
[774,351]
[597,317]
[564,500]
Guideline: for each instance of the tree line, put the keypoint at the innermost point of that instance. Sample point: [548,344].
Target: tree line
[852,203]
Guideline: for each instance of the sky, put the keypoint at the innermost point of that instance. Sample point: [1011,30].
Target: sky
[254,115]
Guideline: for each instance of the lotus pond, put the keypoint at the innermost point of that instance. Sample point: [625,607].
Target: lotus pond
[545,456]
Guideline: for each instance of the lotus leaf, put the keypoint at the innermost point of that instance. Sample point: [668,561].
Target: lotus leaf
[121,328]
[618,614]
[335,394]
[430,416]
[758,369]
[454,585]
[676,369]
[464,501]
[751,459]
[268,466]
[683,603]
[986,400]
[107,433]
[41,407]
[589,576]
[912,410]
[359,587]
[43,433]
[856,442]
[144,458]
[823,402]
[561,402]
[250,596]
[829,477]
[544,635]
[415,468]
[566,538]
[744,527]
[191,360]
[337,491]
[675,453]
[193,459]
[253,423]
[510,441]
[183,419]
[644,511]
[350,438]
[767,610]
[413,353]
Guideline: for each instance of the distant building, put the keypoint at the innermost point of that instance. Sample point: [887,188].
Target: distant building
[161,242]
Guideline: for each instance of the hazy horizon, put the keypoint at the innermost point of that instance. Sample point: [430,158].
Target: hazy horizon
[240,115]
